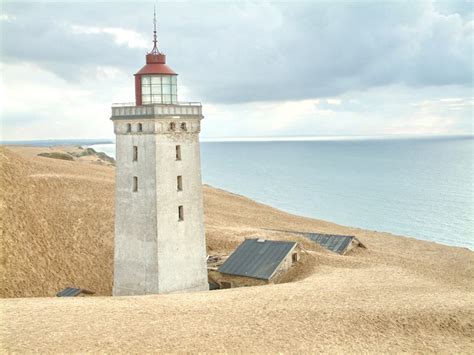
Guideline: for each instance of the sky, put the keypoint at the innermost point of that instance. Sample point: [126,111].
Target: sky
[260,68]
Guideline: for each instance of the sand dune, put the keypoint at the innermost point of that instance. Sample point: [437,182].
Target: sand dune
[56,224]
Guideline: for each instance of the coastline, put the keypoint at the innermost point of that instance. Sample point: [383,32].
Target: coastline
[345,183]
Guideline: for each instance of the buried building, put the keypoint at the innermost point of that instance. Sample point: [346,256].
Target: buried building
[160,246]
[340,244]
[256,262]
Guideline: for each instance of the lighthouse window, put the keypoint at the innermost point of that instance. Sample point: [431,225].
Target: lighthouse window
[135,184]
[172,126]
[167,89]
[183,126]
[180,183]
[135,153]
[166,99]
[146,99]
[180,213]
[178,152]
[140,127]
[160,89]
[156,89]
[129,127]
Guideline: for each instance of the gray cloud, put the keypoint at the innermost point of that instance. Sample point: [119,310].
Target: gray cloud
[242,52]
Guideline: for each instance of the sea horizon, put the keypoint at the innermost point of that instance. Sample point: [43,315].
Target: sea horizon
[292,138]
[226,163]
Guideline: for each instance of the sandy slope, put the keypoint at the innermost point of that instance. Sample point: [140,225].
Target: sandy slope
[56,220]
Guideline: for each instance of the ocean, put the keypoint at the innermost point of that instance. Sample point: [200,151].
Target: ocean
[421,188]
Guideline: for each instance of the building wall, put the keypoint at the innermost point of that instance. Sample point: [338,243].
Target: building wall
[236,281]
[287,263]
[154,251]
[241,281]
[181,244]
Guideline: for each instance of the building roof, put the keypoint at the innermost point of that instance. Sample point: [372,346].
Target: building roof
[155,64]
[73,292]
[155,69]
[257,258]
[333,242]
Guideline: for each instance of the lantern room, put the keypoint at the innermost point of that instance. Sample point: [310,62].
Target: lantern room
[156,83]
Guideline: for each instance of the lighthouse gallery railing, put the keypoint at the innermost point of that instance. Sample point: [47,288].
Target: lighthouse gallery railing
[181,108]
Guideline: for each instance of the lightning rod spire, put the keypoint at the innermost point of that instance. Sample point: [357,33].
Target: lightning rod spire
[155,44]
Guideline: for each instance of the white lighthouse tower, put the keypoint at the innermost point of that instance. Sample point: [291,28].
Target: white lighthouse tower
[160,244]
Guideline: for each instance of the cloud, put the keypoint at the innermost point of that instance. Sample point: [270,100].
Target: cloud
[333,101]
[121,36]
[261,68]
[391,110]
[246,51]
[49,107]
[7,18]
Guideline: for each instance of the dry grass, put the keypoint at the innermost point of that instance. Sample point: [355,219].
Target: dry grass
[56,220]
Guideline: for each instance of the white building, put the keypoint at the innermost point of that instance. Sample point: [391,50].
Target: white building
[160,244]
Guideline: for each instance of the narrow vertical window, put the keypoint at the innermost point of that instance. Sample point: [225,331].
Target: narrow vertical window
[294,257]
[178,152]
[135,184]
[180,183]
[180,213]
[140,127]
[129,127]
[135,153]
[172,126]
[183,126]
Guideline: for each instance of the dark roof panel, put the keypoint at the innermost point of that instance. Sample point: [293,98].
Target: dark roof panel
[257,258]
[69,292]
[335,243]
[73,292]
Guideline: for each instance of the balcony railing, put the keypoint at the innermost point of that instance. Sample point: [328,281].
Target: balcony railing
[126,110]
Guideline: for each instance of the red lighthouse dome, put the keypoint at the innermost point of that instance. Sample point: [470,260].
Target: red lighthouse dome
[155,83]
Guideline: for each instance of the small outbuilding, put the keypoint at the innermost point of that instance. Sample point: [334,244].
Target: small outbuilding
[256,262]
[339,244]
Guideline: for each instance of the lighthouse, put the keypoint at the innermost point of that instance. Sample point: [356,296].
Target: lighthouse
[160,243]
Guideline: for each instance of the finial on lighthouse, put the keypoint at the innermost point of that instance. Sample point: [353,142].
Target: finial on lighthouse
[155,56]
[155,44]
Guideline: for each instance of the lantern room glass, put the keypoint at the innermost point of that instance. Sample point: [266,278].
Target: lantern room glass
[159,89]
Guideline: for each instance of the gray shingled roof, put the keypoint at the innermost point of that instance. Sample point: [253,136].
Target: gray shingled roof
[73,292]
[257,258]
[335,243]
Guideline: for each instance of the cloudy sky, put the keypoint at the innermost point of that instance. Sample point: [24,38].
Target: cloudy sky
[260,68]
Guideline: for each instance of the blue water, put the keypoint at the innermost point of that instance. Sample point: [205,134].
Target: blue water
[415,187]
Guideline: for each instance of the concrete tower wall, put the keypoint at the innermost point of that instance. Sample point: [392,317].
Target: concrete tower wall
[155,251]
[182,253]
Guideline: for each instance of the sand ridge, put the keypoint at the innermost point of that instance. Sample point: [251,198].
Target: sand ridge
[56,220]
